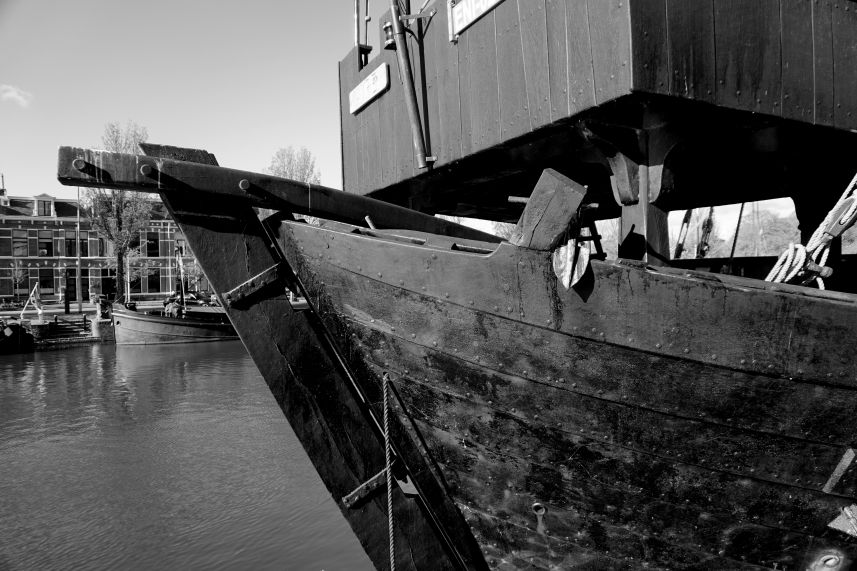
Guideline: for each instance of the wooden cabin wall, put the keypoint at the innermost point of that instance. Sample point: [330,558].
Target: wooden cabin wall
[791,58]
[530,63]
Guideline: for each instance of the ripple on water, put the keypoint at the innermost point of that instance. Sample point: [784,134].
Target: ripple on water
[147,457]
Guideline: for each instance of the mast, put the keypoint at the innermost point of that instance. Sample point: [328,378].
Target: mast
[180,266]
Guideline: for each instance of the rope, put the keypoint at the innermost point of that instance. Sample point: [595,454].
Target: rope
[387,464]
[799,260]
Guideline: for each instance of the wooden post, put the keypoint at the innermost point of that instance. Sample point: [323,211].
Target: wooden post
[636,159]
[644,233]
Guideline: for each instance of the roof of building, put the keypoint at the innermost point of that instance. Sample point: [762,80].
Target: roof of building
[64,207]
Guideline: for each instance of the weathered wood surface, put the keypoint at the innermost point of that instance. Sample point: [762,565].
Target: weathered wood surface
[532,64]
[661,416]
[117,170]
[329,398]
[549,213]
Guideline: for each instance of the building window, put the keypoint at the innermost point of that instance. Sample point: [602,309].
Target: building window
[44,207]
[46,280]
[100,252]
[84,244]
[154,281]
[152,250]
[46,243]
[5,242]
[19,243]
[70,250]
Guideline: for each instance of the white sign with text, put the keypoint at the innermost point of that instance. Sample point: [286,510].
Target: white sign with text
[371,87]
[465,12]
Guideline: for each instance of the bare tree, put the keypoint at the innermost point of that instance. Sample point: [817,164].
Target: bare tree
[120,215]
[296,165]
[19,277]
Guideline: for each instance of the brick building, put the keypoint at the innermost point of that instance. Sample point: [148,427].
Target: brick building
[39,242]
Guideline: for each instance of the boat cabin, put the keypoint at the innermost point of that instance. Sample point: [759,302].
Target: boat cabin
[653,105]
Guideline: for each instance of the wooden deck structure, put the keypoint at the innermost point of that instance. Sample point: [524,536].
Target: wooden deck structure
[699,101]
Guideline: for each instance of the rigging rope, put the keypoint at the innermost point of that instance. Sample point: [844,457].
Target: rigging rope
[388,470]
[808,262]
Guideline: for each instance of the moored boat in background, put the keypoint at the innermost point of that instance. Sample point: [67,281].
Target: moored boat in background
[132,327]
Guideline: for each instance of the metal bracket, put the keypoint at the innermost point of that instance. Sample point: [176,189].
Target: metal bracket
[377,481]
[365,489]
[267,278]
[406,17]
[846,521]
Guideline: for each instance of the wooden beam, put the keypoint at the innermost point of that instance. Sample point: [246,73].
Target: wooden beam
[86,167]
[550,210]
[637,159]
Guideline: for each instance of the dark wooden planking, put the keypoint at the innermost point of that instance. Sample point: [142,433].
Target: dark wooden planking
[536,69]
[615,477]
[595,500]
[725,310]
[404,141]
[491,453]
[798,73]
[749,57]
[581,80]
[582,543]
[823,56]
[674,436]
[369,120]
[448,145]
[634,410]
[551,208]
[387,120]
[350,153]
[484,100]
[610,29]
[512,88]
[525,422]
[465,80]
[650,46]
[845,64]
[363,166]
[690,30]
[387,110]
[557,58]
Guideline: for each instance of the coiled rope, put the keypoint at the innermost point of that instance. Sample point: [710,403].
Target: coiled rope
[389,471]
[808,261]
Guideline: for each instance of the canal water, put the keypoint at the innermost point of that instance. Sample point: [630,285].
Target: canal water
[161,457]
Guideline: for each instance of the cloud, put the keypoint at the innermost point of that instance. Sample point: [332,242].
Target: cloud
[15,95]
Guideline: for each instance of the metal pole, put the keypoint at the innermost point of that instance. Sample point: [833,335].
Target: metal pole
[408,84]
[78,280]
[737,229]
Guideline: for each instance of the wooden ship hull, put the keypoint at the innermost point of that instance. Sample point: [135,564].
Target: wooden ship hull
[690,427]
[649,416]
[154,328]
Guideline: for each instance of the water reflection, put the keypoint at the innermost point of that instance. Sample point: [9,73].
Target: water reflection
[145,457]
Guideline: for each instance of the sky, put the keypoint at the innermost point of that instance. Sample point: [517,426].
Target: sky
[239,79]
